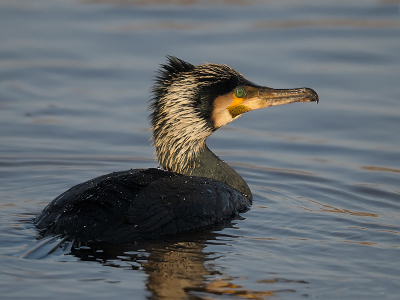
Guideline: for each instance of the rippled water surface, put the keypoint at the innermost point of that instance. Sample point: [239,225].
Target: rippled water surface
[325,224]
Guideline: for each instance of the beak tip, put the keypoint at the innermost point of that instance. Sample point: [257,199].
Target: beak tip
[313,95]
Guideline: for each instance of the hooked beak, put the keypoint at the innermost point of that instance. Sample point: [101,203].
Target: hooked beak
[260,97]
[269,97]
[229,106]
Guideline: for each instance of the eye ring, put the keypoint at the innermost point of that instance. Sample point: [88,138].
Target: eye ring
[240,92]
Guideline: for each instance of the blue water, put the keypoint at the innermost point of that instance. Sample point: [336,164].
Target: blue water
[75,78]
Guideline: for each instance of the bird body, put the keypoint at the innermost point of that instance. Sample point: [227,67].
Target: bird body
[194,188]
[138,204]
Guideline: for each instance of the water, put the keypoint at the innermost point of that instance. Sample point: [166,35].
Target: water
[325,224]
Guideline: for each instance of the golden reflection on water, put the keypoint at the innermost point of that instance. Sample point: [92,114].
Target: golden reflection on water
[327,23]
[360,243]
[175,269]
[221,287]
[330,208]
[380,169]
[225,286]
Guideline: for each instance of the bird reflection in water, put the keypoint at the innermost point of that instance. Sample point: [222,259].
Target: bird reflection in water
[180,267]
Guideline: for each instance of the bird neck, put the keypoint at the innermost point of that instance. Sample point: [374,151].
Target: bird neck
[207,164]
[200,161]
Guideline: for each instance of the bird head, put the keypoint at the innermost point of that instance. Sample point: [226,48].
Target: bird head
[191,102]
[214,93]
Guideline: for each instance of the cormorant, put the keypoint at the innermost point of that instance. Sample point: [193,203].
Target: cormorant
[194,188]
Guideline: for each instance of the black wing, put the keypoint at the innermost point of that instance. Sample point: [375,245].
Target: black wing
[134,204]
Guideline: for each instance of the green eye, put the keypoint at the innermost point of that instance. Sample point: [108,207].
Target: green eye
[239,93]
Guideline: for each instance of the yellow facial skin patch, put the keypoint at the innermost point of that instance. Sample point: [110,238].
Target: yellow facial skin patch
[228,107]
[237,110]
